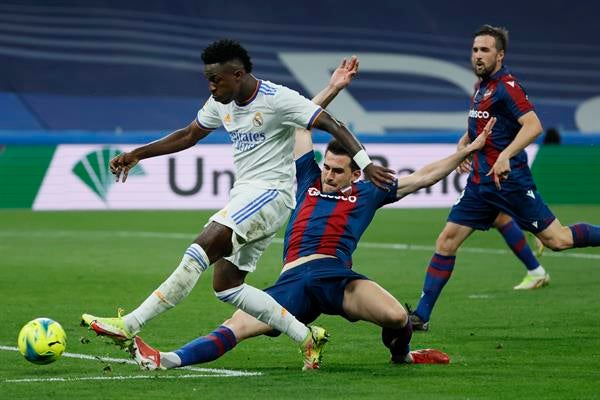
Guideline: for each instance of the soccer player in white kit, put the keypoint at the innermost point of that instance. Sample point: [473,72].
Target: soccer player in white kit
[260,118]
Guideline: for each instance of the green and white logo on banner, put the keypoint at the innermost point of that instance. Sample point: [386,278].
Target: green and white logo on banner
[94,171]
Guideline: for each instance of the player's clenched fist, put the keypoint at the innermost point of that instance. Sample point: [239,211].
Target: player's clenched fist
[121,164]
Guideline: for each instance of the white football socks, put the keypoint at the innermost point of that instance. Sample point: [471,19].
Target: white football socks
[263,307]
[170,359]
[173,290]
[539,271]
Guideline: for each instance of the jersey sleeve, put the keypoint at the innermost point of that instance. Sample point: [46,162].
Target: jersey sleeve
[307,171]
[516,99]
[295,109]
[390,195]
[382,197]
[208,116]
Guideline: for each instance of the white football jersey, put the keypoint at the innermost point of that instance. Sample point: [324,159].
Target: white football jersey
[262,132]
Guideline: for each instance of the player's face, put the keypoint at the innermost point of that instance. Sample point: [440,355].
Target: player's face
[486,60]
[223,81]
[337,174]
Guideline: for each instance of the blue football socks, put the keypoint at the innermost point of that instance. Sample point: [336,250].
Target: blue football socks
[585,235]
[207,348]
[438,272]
[514,237]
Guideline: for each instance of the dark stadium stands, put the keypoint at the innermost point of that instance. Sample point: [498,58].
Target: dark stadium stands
[135,65]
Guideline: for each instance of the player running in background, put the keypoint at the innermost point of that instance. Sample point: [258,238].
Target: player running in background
[514,237]
[500,180]
[260,118]
[334,209]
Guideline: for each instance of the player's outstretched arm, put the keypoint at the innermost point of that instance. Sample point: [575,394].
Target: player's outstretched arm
[531,128]
[432,173]
[340,79]
[179,140]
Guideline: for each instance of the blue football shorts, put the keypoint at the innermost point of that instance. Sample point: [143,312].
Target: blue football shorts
[479,205]
[314,288]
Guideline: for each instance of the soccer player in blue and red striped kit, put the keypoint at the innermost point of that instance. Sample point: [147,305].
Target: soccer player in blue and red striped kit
[500,178]
[333,210]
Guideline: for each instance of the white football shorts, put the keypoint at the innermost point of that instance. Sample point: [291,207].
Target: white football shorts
[255,215]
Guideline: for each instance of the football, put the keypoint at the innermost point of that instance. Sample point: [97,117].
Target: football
[42,341]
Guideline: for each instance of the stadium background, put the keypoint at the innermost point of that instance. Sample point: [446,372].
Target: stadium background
[109,73]
[82,80]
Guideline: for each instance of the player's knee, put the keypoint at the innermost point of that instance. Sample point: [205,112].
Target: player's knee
[501,220]
[557,239]
[236,321]
[223,286]
[395,317]
[215,239]
[558,243]
[227,276]
[226,283]
[446,244]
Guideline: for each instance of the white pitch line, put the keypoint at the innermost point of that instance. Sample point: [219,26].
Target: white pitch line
[206,372]
[115,378]
[190,236]
[481,296]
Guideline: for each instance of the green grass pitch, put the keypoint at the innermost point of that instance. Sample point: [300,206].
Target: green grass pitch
[503,344]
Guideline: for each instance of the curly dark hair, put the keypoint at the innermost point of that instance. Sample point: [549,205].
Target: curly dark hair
[225,50]
[497,32]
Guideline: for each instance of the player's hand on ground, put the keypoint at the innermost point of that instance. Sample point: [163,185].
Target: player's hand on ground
[121,164]
[382,177]
[343,74]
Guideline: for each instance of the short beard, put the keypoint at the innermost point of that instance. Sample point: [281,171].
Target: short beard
[486,73]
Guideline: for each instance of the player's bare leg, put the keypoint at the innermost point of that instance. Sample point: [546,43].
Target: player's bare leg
[556,236]
[245,326]
[366,300]
[559,237]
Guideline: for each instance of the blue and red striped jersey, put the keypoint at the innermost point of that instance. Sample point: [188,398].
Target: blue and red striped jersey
[329,223]
[499,96]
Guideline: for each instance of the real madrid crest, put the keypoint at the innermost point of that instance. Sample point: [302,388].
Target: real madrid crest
[257,121]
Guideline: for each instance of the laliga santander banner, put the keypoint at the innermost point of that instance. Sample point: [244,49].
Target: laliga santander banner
[78,177]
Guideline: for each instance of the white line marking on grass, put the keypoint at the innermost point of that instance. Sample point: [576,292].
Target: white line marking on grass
[114,378]
[190,236]
[481,296]
[205,372]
